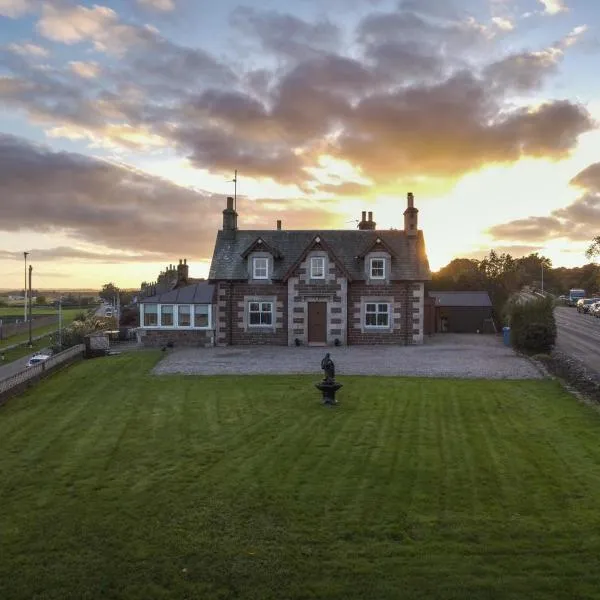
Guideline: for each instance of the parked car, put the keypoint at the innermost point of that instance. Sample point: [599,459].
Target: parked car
[594,309]
[584,304]
[36,359]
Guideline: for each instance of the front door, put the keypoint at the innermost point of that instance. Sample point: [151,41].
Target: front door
[317,322]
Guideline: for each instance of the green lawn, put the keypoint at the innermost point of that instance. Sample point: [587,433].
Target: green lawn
[118,484]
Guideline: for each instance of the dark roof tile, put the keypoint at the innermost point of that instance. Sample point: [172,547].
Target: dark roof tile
[407,264]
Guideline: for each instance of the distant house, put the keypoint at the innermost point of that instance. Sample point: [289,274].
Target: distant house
[319,287]
[459,312]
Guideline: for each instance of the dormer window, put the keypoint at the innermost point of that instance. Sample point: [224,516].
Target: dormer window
[377,269]
[317,267]
[260,268]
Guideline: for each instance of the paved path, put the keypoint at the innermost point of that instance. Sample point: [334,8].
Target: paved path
[444,355]
[579,336]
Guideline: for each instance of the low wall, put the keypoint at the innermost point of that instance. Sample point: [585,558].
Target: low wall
[21,381]
[158,338]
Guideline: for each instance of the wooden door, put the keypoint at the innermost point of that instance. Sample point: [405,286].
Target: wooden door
[317,322]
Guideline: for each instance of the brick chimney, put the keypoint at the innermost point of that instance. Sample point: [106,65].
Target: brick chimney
[182,272]
[366,224]
[229,216]
[411,217]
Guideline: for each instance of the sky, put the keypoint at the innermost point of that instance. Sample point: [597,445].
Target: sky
[122,124]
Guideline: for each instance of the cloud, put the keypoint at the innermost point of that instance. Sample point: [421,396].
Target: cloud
[99,25]
[522,72]
[29,49]
[14,9]
[287,35]
[112,205]
[578,221]
[414,95]
[160,5]
[503,23]
[80,255]
[553,7]
[87,70]
[589,178]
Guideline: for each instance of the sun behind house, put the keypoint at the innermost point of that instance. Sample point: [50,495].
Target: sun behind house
[286,287]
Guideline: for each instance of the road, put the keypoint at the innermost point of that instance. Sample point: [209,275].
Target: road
[579,336]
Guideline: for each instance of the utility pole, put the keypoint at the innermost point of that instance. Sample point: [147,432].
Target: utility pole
[25,289]
[30,299]
[60,323]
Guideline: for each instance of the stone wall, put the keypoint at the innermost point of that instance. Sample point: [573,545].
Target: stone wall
[157,338]
[232,326]
[406,323]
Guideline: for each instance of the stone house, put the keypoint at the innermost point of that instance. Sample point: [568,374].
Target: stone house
[177,310]
[319,287]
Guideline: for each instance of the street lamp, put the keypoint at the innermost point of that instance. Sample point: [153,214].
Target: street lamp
[30,299]
[25,289]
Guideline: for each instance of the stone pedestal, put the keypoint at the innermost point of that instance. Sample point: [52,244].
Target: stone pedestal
[328,388]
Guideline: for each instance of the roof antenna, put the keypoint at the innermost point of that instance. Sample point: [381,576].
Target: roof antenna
[234,181]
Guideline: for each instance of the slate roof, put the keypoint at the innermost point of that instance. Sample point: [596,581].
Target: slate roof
[461,299]
[197,293]
[228,264]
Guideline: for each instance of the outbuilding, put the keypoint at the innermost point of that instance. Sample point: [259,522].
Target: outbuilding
[460,312]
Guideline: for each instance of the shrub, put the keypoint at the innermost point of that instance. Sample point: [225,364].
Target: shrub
[532,324]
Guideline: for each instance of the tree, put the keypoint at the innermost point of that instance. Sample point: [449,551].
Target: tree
[41,300]
[109,292]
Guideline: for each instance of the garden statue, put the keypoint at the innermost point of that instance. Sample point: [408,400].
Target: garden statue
[328,368]
[328,386]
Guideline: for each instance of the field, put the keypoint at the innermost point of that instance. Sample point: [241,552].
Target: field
[68,315]
[119,484]
[17,311]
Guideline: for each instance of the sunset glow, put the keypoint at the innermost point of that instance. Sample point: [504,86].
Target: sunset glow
[123,124]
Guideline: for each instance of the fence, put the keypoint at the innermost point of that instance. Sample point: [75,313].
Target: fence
[10,329]
[23,379]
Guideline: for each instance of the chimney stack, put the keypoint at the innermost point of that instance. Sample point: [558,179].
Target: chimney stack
[411,217]
[229,216]
[182,272]
[278,225]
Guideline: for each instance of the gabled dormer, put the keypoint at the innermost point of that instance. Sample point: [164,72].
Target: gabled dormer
[377,258]
[260,258]
[316,258]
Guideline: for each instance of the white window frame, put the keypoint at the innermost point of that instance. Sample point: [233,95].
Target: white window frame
[260,312]
[209,315]
[255,267]
[143,320]
[378,258]
[314,260]
[160,316]
[376,313]
[177,323]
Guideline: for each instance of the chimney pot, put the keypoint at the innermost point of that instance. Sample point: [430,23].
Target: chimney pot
[180,262]
[185,261]
[364,216]
[370,219]
[411,200]
[278,225]
[229,203]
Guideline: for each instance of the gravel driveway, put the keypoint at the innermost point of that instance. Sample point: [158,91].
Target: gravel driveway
[448,355]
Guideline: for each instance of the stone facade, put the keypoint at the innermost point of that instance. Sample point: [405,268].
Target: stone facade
[160,337]
[232,320]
